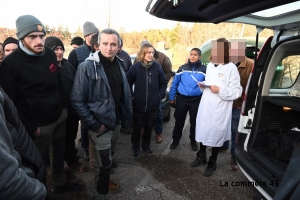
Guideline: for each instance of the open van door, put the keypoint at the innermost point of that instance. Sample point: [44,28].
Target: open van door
[269,128]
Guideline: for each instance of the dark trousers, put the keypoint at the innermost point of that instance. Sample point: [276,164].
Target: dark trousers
[159,120]
[140,119]
[84,136]
[185,104]
[56,157]
[71,133]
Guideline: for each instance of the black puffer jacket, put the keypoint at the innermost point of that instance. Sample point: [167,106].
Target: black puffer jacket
[31,157]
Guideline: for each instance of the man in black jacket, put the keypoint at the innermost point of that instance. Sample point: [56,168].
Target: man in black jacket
[31,78]
[67,74]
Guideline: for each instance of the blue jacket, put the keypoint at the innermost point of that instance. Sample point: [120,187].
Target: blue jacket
[92,99]
[183,81]
[150,86]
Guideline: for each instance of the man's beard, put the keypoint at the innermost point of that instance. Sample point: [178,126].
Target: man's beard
[31,49]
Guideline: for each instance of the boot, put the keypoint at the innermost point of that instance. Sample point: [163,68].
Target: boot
[211,167]
[233,164]
[200,159]
[113,187]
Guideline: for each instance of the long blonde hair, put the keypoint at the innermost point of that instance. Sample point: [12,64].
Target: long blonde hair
[142,52]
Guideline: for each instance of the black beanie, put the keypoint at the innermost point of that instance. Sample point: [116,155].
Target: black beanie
[53,42]
[10,40]
[77,40]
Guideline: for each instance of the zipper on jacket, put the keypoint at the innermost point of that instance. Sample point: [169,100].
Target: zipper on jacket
[146,90]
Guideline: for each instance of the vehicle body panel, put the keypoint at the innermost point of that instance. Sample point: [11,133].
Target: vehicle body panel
[268,138]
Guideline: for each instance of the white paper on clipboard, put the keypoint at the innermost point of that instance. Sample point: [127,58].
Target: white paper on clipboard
[205,84]
[202,83]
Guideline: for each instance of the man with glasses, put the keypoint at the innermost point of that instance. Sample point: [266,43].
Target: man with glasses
[31,78]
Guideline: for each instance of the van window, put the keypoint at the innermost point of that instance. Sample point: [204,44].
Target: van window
[286,72]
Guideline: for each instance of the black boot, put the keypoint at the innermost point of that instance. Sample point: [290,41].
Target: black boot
[103,181]
[201,159]
[211,167]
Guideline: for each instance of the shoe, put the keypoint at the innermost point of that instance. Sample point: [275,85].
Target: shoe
[233,164]
[77,165]
[86,155]
[148,151]
[66,187]
[201,159]
[174,145]
[159,138]
[113,187]
[194,146]
[211,167]
[135,153]
[224,149]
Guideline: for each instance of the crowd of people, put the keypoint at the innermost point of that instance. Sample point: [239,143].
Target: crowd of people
[44,97]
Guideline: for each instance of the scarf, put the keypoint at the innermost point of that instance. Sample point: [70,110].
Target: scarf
[147,66]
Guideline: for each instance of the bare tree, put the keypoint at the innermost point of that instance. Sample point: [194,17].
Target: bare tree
[109,14]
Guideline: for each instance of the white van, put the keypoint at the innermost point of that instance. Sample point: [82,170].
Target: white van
[268,140]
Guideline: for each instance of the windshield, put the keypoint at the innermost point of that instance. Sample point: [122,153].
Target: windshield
[278,10]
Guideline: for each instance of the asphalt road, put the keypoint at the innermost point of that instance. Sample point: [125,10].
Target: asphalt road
[165,175]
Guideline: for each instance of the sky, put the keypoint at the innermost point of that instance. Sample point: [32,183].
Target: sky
[128,14]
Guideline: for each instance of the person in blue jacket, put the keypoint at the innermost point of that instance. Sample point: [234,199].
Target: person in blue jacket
[185,95]
[149,88]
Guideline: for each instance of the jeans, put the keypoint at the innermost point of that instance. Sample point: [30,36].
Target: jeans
[84,137]
[226,144]
[159,120]
[234,127]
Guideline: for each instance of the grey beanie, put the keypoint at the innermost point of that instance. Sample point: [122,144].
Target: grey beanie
[89,28]
[145,42]
[27,24]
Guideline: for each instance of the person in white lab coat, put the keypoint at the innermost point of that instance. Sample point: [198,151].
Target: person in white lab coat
[220,88]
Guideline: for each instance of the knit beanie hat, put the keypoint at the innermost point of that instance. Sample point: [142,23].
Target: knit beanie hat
[53,42]
[144,42]
[10,40]
[89,28]
[77,40]
[27,24]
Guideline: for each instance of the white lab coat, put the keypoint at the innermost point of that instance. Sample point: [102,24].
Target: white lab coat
[213,122]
